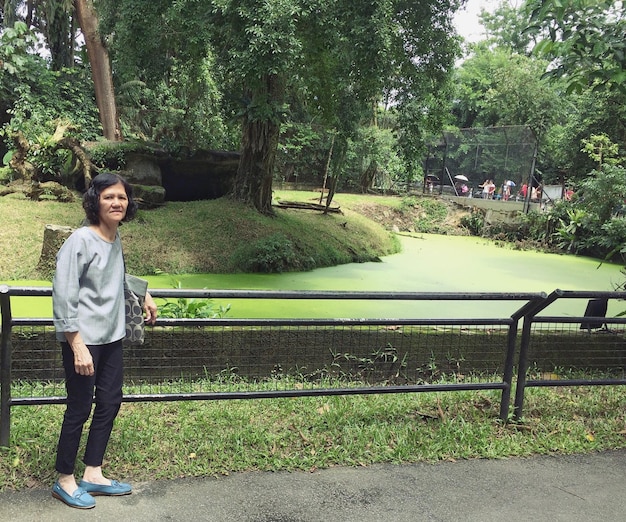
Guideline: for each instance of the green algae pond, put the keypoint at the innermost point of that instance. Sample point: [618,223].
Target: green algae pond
[427,263]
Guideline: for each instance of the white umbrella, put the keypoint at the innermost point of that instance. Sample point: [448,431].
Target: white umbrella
[461,177]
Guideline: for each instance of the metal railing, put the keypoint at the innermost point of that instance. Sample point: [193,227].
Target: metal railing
[220,359]
[583,351]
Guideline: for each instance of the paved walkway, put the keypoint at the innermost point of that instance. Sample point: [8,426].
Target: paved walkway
[585,488]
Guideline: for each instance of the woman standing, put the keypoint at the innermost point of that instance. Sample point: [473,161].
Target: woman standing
[88,310]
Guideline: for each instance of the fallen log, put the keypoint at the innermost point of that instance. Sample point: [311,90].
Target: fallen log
[302,205]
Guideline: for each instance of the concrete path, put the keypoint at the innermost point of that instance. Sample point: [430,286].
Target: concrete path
[579,488]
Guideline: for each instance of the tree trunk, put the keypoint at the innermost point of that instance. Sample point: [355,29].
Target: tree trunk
[327,168]
[73,144]
[367,177]
[53,238]
[253,182]
[59,33]
[19,162]
[100,69]
[340,146]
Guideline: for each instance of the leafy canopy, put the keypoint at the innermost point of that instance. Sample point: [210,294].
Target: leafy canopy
[585,41]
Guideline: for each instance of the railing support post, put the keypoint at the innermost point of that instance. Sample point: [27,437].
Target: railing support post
[522,369]
[5,366]
[509,364]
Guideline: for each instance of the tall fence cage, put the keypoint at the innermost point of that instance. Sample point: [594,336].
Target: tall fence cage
[502,154]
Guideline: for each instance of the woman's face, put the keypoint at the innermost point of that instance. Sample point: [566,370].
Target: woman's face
[113,205]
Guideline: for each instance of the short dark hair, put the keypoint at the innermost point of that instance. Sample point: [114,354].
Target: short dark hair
[91,198]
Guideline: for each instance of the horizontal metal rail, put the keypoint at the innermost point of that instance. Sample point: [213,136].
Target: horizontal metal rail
[531,304]
[44,291]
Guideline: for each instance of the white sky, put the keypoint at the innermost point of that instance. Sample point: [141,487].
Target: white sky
[466,19]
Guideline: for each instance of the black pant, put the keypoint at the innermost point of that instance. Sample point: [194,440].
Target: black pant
[107,385]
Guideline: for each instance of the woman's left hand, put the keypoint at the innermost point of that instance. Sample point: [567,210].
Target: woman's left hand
[150,308]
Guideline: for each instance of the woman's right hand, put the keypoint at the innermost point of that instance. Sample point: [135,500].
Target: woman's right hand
[83,362]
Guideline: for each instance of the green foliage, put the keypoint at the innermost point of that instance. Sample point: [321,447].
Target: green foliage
[182,109]
[272,254]
[568,233]
[6,175]
[302,153]
[592,223]
[6,159]
[186,71]
[112,155]
[57,97]
[612,239]
[497,87]
[17,62]
[601,150]
[408,203]
[474,222]
[372,160]
[34,99]
[506,27]
[603,191]
[585,42]
[336,59]
[184,308]
[432,217]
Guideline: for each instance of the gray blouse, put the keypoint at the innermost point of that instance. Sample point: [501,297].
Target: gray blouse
[88,288]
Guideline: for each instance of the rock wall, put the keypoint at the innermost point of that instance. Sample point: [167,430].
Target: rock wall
[203,175]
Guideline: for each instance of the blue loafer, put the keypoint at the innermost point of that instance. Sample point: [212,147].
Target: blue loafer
[79,499]
[116,488]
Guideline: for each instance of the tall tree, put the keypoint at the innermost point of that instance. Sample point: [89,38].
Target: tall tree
[8,12]
[60,32]
[100,69]
[259,43]
[498,87]
[52,19]
[506,26]
[342,55]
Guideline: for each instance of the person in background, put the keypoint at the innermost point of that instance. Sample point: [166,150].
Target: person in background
[89,319]
[535,193]
[523,192]
[489,188]
[506,190]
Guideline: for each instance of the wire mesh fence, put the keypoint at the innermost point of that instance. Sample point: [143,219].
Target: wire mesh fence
[274,355]
[566,349]
[203,359]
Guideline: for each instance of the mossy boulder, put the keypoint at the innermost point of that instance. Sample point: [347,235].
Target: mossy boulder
[149,196]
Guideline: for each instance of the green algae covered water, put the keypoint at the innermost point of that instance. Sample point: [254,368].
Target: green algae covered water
[429,263]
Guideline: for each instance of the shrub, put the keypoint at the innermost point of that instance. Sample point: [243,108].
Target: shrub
[474,222]
[273,254]
[612,239]
[433,216]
